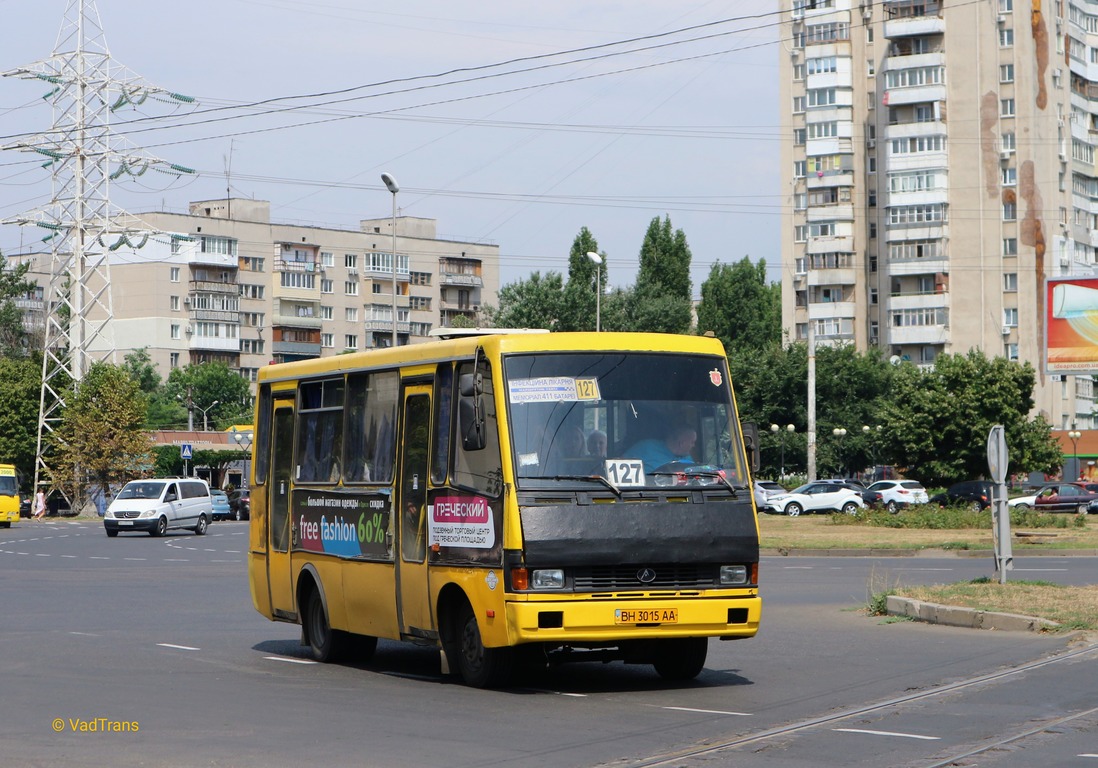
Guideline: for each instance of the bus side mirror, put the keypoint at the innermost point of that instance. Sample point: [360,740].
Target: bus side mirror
[751,444]
[471,411]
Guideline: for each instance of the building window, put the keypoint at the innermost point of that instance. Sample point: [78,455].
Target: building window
[327,340]
[1006,6]
[223,246]
[1006,107]
[350,314]
[350,260]
[173,302]
[174,272]
[1008,142]
[420,278]
[326,285]
[327,259]
[1006,38]
[798,105]
[1010,211]
[799,169]
[175,330]
[1010,351]
[1010,282]
[325,313]
[873,297]
[1009,176]
[422,303]
[350,287]
[173,360]
[1010,317]
[798,137]
[350,341]
[1010,246]
[798,71]
[1006,73]
[297,280]
[375,288]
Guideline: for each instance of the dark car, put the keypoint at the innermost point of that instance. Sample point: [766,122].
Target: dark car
[1065,497]
[974,493]
[240,504]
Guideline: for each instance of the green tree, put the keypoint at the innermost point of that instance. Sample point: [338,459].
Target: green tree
[580,297]
[938,420]
[532,303]
[14,341]
[101,438]
[661,301]
[740,307]
[164,410]
[19,400]
[204,384]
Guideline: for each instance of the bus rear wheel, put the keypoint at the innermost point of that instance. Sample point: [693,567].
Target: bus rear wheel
[480,667]
[681,658]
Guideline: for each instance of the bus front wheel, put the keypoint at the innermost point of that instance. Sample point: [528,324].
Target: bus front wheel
[480,667]
[325,644]
[681,658]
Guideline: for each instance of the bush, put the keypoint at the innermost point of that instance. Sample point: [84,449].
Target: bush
[933,517]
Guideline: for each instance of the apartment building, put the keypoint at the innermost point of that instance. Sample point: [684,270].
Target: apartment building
[939,162]
[224,283]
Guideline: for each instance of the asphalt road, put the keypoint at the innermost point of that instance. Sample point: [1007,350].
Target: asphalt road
[158,637]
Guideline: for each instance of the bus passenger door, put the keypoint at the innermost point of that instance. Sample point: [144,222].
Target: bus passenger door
[278,553]
[413,602]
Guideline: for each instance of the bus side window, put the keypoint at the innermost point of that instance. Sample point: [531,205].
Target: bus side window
[371,427]
[480,469]
[320,434]
[444,393]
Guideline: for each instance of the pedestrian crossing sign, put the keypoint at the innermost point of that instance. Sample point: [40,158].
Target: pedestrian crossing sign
[185,451]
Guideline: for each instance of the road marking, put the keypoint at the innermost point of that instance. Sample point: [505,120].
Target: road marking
[1088,754]
[179,647]
[41,554]
[888,733]
[84,634]
[98,557]
[72,556]
[135,558]
[708,711]
[289,660]
[176,560]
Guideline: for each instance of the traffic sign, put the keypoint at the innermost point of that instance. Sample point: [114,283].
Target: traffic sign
[185,451]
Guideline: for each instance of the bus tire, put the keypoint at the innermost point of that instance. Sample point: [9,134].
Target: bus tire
[681,658]
[325,644]
[480,667]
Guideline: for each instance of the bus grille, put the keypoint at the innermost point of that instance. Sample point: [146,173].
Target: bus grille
[628,577]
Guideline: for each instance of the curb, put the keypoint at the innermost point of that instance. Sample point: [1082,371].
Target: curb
[970,618]
[971,553]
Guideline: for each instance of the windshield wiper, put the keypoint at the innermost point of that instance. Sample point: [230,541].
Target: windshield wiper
[700,472]
[597,478]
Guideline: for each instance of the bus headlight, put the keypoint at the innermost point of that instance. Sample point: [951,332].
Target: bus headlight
[733,574]
[547,578]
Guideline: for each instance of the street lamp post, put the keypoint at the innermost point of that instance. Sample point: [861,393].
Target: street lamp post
[207,409]
[391,184]
[774,428]
[839,433]
[1075,435]
[598,288]
[873,440]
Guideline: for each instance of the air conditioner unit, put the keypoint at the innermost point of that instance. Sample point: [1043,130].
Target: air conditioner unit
[871,143]
[1001,19]
[187,300]
[1004,154]
[352,272]
[1006,330]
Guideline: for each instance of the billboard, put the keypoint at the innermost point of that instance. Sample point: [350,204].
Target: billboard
[1071,325]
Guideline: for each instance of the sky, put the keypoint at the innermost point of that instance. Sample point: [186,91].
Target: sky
[509,122]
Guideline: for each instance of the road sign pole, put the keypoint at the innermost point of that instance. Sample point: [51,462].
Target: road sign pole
[997,460]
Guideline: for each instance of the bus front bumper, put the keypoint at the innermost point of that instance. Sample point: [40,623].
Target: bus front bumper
[605,621]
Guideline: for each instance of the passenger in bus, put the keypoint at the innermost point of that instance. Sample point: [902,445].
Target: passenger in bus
[676,445]
[568,453]
[596,444]
[412,535]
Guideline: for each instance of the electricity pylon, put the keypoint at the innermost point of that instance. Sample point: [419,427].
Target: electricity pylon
[83,227]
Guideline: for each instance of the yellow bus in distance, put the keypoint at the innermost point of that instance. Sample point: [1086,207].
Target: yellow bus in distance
[513,499]
[9,495]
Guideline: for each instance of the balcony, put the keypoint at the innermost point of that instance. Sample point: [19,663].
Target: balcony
[918,334]
[452,278]
[835,244]
[217,315]
[198,258]
[387,325]
[919,300]
[914,26]
[299,348]
[215,343]
[295,321]
[286,265]
[455,306]
[209,286]
[847,276]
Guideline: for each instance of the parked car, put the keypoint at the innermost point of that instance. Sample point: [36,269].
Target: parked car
[1066,497]
[894,495]
[851,483]
[240,504]
[219,501]
[974,493]
[764,489]
[1022,502]
[816,497]
[157,504]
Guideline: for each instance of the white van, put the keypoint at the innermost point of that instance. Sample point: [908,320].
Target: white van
[157,504]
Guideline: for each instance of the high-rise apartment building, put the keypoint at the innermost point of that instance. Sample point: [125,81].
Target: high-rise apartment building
[940,166]
[226,284]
